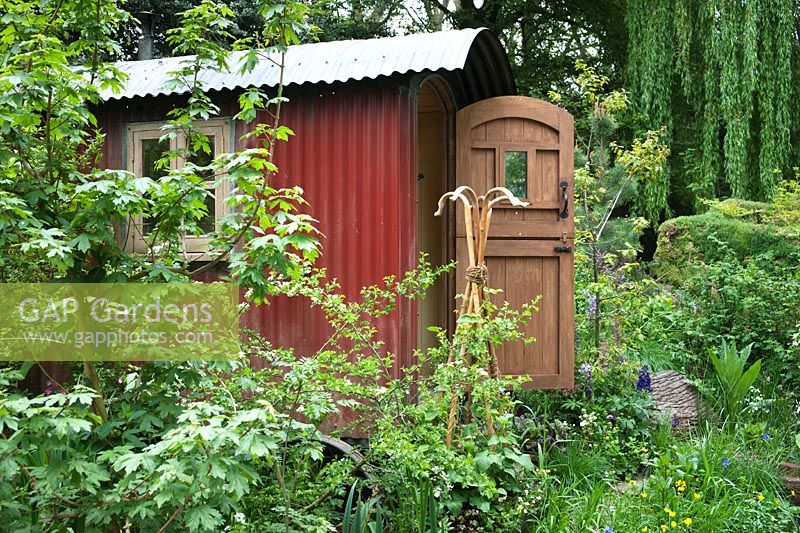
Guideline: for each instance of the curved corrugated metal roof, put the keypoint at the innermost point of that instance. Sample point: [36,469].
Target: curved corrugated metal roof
[329,62]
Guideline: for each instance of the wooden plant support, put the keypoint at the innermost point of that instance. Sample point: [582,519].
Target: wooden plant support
[477,218]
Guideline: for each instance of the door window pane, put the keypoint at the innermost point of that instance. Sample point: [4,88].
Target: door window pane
[516,173]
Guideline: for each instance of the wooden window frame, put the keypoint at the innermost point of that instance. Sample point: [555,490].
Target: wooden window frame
[196,246]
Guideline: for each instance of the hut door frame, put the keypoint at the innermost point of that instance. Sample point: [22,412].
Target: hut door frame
[435,86]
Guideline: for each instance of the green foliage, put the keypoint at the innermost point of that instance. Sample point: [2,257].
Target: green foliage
[420,512]
[746,303]
[158,454]
[69,216]
[197,445]
[608,180]
[63,211]
[709,482]
[480,477]
[190,445]
[785,210]
[734,380]
[645,161]
[714,482]
[736,268]
[718,74]
[356,517]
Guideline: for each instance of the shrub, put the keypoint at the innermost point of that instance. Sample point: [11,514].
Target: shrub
[744,302]
[748,229]
[607,414]
[189,445]
[687,244]
[479,480]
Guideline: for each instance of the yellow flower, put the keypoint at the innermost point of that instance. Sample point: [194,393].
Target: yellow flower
[645,529]
[667,510]
[672,514]
[697,496]
[687,521]
[680,485]
[632,483]
[644,495]
[760,497]
[673,523]
[663,527]
[793,493]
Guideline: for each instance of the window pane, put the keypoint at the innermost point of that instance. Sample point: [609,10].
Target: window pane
[148,224]
[152,151]
[517,173]
[202,159]
[207,222]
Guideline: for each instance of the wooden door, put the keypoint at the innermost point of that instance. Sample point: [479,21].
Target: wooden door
[526,145]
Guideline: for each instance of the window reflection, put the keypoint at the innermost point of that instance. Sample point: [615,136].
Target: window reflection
[516,173]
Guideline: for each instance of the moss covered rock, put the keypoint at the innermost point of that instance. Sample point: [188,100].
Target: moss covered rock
[731,228]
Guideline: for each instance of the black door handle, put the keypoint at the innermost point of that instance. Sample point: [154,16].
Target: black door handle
[563,249]
[565,211]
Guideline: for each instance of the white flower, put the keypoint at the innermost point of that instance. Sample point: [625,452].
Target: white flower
[239,518]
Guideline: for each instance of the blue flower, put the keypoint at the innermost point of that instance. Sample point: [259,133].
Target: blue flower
[676,421]
[725,463]
[765,436]
[586,370]
[608,529]
[591,305]
[644,383]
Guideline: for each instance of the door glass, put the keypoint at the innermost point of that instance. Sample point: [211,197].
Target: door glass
[152,151]
[516,173]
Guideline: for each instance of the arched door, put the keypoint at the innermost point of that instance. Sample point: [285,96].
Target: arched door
[526,145]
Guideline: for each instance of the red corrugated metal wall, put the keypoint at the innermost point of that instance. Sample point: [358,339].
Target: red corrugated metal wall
[354,155]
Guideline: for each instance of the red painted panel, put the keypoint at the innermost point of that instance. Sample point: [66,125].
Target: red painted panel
[352,155]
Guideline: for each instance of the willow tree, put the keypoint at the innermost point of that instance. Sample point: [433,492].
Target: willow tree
[718,75]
